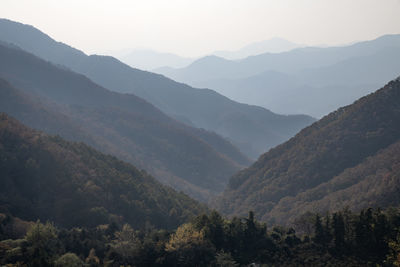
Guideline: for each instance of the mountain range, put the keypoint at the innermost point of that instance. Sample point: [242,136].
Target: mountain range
[350,158]
[252,129]
[56,100]
[147,59]
[307,80]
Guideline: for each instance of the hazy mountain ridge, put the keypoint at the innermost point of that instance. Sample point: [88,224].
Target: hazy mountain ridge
[326,161]
[47,178]
[313,73]
[124,125]
[203,108]
[274,45]
[149,59]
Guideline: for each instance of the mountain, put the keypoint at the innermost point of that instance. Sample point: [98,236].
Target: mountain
[69,104]
[307,80]
[348,158]
[45,177]
[149,60]
[286,62]
[315,91]
[254,130]
[274,45]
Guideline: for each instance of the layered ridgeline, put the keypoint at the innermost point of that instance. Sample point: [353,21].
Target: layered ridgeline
[69,104]
[349,158]
[253,129]
[309,80]
[146,59]
[44,177]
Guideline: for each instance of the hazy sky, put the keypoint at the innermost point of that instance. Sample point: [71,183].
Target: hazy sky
[197,27]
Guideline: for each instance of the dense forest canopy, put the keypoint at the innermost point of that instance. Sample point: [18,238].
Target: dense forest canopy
[350,157]
[368,238]
[47,178]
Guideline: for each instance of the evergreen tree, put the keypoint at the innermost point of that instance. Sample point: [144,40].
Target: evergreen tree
[338,231]
[319,236]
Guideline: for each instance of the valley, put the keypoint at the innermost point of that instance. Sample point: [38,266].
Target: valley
[231,147]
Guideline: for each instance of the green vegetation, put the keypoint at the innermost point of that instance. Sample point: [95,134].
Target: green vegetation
[369,238]
[101,211]
[348,158]
[44,177]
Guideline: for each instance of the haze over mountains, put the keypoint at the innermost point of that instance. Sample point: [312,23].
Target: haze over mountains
[93,147]
[147,59]
[349,158]
[252,129]
[119,124]
[194,160]
[306,80]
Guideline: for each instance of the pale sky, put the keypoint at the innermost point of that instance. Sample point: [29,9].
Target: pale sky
[198,27]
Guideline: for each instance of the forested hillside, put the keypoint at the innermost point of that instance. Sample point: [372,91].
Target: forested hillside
[189,159]
[348,158]
[44,177]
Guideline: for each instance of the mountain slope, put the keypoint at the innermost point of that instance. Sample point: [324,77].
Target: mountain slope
[201,108]
[334,151]
[374,182]
[44,177]
[126,126]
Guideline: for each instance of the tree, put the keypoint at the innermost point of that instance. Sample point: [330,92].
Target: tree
[126,242]
[364,232]
[42,239]
[225,260]
[319,236]
[68,260]
[92,259]
[338,231]
[393,257]
[304,224]
[215,231]
[188,245]
[327,230]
